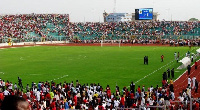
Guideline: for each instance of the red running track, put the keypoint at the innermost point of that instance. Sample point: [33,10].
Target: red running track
[86,44]
[181,83]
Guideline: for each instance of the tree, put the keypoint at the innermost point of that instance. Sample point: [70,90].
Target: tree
[193,19]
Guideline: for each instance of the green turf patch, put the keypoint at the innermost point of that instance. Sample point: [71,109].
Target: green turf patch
[104,65]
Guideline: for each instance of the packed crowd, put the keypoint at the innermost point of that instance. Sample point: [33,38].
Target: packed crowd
[61,96]
[138,28]
[18,26]
[43,25]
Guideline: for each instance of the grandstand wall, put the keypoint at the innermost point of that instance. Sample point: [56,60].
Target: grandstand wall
[124,17]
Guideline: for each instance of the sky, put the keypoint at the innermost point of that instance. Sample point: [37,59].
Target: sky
[92,10]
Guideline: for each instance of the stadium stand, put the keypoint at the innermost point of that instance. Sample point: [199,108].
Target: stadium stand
[56,27]
[26,27]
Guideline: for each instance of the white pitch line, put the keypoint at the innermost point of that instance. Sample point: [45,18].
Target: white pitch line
[60,77]
[35,74]
[1,72]
[21,58]
[152,72]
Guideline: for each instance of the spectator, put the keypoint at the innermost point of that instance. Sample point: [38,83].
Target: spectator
[14,103]
[64,95]
[171,87]
[132,87]
[196,86]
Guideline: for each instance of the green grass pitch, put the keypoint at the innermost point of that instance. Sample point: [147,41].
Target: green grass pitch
[104,65]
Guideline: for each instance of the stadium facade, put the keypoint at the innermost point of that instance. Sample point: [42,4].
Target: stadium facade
[124,17]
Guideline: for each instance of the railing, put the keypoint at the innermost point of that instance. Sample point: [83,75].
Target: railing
[172,105]
[63,38]
[33,39]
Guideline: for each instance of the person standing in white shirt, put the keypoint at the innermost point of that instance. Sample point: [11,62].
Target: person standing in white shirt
[172,95]
[193,82]
[10,86]
[15,86]
[189,81]
[108,102]
[116,103]
[6,93]
[192,57]
[175,55]
[3,85]
[38,95]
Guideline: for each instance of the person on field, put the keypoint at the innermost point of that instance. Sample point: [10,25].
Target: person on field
[188,54]
[162,57]
[192,57]
[189,81]
[193,82]
[178,55]
[175,55]
[171,85]
[147,60]
[189,69]
[168,73]
[172,72]
[196,86]
[144,59]
[189,44]
[195,64]
[132,87]
[177,58]
[164,76]
[20,82]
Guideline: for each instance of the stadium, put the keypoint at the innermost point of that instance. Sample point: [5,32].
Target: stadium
[128,61]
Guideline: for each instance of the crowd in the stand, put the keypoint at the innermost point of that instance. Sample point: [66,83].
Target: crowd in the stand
[43,25]
[125,29]
[61,96]
[18,26]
